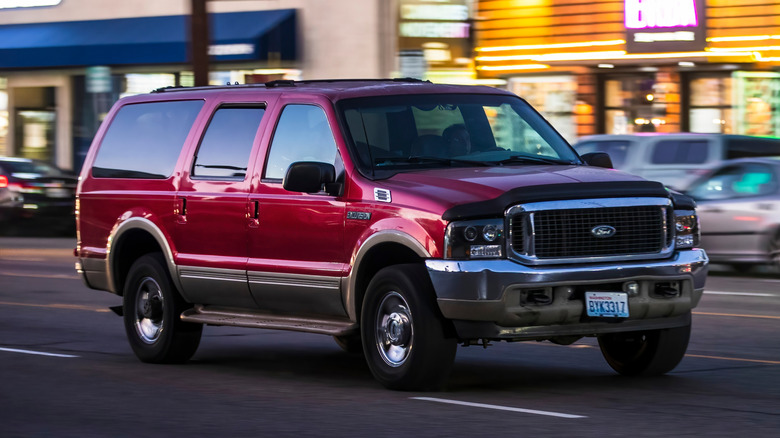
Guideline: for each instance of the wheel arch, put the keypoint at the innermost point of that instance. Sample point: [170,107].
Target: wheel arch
[130,240]
[382,249]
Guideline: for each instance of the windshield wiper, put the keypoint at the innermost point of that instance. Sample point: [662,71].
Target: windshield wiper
[427,159]
[518,159]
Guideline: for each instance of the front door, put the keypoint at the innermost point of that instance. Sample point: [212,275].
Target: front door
[296,250]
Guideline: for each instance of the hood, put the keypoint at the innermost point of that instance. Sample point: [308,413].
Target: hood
[441,190]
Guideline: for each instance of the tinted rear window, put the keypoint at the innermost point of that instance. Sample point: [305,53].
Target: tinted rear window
[680,152]
[746,147]
[144,140]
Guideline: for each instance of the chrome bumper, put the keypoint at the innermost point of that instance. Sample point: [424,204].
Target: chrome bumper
[498,299]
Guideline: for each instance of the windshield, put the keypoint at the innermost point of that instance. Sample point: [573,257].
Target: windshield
[398,133]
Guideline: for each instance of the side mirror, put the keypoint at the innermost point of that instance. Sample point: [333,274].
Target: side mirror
[598,159]
[309,177]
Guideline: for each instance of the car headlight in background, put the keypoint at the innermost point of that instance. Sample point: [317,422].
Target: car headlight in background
[686,228]
[477,239]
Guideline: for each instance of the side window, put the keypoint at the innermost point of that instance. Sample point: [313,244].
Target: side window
[225,148]
[144,140]
[302,134]
[736,182]
[680,152]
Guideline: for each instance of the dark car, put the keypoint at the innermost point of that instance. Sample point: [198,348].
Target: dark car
[35,192]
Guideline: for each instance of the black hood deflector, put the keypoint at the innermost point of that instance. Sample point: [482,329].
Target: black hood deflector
[562,192]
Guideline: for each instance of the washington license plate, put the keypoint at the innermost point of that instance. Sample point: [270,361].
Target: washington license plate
[607,304]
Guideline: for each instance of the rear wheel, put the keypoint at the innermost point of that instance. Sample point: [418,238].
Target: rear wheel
[647,353]
[151,314]
[404,335]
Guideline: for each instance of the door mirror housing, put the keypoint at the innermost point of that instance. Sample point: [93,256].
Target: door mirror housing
[598,159]
[311,177]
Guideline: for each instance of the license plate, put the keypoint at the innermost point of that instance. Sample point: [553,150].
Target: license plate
[607,304]
[58,193]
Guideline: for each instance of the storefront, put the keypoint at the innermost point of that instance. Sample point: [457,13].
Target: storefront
[638,66]
[64,64]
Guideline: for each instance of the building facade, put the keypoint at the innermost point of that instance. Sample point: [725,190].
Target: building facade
[625,66]
[64,62]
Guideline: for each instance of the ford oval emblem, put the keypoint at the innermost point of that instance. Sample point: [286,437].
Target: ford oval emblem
[603,231]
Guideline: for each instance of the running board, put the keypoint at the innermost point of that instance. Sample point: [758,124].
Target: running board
[258,319]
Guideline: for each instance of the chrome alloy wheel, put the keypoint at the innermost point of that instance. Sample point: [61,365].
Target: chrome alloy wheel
[394,332]
[149,310]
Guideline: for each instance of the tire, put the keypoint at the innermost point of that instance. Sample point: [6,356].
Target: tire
[648,353]
[404,335]
[774,252]
[151,310]
[351,344]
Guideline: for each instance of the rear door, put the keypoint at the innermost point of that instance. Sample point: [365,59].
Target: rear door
[212,208]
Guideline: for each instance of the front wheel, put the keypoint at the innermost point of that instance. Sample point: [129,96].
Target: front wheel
[151,314]
[404,335]
[647,353]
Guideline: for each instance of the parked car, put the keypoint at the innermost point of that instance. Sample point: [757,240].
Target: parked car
[36,192]
[675,159]
[739,211]
[401,217]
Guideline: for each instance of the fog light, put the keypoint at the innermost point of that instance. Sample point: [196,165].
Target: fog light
[478,251]
[631,287]
[684,241]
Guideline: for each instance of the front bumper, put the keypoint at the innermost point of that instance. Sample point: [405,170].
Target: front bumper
[502,299]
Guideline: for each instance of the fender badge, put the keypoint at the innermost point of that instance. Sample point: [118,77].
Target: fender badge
[359,215]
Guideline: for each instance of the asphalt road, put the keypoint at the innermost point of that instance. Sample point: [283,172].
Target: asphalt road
[66,371]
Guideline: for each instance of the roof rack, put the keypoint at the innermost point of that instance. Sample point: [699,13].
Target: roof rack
[282,83]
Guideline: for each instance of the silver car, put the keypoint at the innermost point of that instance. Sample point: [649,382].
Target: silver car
[675,159]
[739,211]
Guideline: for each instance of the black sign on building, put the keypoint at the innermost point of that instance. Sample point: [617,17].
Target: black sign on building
[658,26]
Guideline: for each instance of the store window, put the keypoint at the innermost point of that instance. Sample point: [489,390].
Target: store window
[756,103]
[633,104]
[711,104]
[553,97]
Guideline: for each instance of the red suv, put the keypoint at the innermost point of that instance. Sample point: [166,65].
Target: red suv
[401,217]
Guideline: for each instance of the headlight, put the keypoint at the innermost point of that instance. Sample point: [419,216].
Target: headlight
[686,228]
[477,239]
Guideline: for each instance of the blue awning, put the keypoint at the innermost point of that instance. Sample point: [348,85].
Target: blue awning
[235,36]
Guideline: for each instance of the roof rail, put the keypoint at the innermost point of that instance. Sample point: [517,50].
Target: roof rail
[282,83]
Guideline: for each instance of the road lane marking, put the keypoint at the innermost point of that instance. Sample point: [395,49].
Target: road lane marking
[57,306]
[735,359]
[736,315]
[740,294]
[55,276]
[37,353]
[497,407]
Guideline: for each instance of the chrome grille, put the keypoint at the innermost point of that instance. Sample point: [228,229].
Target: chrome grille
[557,235]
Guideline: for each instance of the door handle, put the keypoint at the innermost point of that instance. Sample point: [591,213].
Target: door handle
[254,214]
[180,210]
